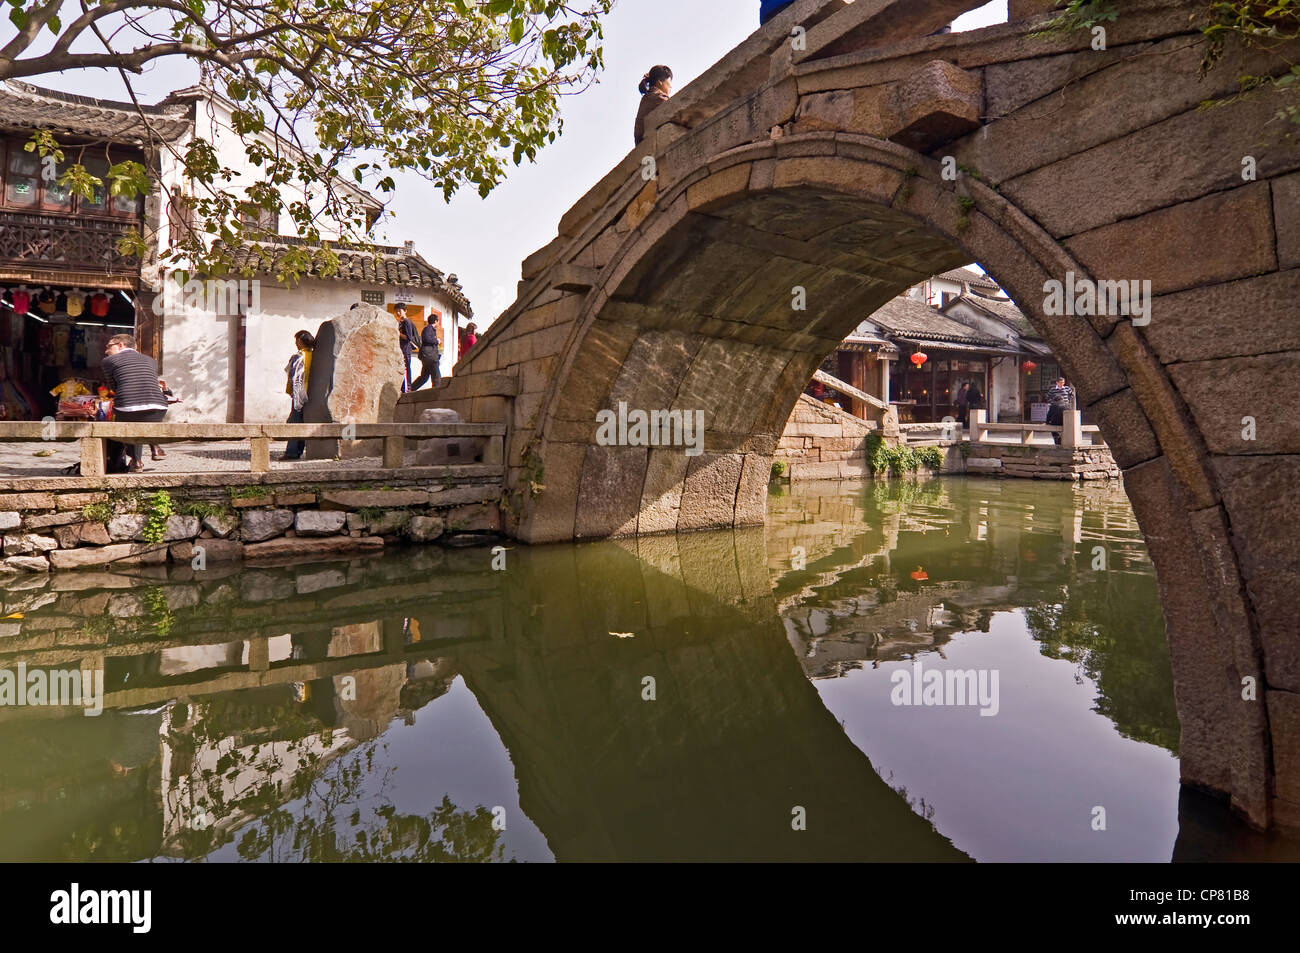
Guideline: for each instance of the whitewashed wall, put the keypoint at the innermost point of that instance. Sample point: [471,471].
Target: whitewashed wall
[199,347]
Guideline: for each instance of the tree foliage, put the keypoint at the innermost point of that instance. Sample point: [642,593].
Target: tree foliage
[326,92]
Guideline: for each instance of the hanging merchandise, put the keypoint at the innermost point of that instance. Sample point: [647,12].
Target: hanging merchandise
[99,304]
[22,299]
[96,341]
[75,300]
[47,300]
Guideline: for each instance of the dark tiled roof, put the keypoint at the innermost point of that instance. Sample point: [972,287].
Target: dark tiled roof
[386,266]
[1003,309]
[912,318]
[972,278]
[26,107]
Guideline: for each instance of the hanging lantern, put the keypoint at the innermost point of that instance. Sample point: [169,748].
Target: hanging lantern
[1029,367]
[919,358]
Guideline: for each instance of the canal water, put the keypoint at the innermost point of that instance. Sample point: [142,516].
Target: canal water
[950,669]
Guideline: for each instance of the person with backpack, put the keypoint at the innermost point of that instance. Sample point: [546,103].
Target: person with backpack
[430,354]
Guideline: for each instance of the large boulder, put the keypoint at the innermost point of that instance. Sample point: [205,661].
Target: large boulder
[356,376]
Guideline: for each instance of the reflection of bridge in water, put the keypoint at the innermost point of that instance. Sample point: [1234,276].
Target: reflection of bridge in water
[712,768]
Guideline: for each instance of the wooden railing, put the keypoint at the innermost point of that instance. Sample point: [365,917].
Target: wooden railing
[259,436]
[1073,433]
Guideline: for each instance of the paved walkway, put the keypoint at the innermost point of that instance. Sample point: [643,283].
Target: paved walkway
[21,460]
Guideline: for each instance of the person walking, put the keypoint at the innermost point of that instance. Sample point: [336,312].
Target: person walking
[1060,398]
[297,373]
[137,397]
[407,338]
[467,340]
[770,8]
[963,407]
[430,354]
[655,88]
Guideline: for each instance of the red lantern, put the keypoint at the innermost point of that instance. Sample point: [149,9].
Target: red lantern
[919,358]
[1029,367]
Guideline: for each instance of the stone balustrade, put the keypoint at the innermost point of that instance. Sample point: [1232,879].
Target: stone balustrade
[486,440]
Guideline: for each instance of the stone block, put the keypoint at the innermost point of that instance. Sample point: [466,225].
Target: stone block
[1222,394]
[27,501]
[118,553]
[305,549]
[258,525]
[356,375]
[937,104]
[21,544]
[181,527]
[1229,235]
[82,534]
[319,522]
[381,499]
[28,563]
[214,551]
[1286,218]
[10,520]
[77,501]
[709,493]
[47,520]
[425,529]
[294,499]
[221,524]
[483,518]
[126,526]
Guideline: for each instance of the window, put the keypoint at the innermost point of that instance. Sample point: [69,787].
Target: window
[22,187]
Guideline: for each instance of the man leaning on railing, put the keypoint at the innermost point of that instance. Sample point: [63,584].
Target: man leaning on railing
[1060,398]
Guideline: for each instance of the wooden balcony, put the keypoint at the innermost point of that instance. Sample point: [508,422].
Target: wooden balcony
[49,244]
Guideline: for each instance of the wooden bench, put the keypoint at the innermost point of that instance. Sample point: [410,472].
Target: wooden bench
[259,436]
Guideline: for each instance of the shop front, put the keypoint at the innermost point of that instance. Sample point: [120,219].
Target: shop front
[64,287]
[926,391]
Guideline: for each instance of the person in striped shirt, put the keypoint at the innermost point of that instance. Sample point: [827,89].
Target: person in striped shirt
[137,396]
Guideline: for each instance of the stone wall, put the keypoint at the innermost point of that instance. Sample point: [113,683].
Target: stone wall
[822,442]
[1041,463]
[220,520]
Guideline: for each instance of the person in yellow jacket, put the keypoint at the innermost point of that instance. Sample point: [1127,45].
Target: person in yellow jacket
[297,373]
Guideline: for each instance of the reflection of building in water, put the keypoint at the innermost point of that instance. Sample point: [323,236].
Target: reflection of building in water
[883,580]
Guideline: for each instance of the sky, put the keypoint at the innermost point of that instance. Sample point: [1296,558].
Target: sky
[484,241]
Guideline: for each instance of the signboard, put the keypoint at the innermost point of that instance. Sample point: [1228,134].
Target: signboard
[372,297]
[403,296]
[1038,413]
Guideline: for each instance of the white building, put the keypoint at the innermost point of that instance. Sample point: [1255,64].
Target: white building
[226,359]
[938,290]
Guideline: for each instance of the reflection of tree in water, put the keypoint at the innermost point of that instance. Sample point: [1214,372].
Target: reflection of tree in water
[301,793]
[1111,626]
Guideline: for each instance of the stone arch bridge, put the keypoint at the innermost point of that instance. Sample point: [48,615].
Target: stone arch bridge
[813,159]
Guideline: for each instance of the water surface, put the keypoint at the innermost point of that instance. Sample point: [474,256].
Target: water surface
[711,696]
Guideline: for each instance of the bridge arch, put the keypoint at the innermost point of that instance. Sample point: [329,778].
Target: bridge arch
[824,173]
[696,311]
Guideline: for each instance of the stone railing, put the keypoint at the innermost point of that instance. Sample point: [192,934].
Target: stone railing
[1072,430]
[485,443]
